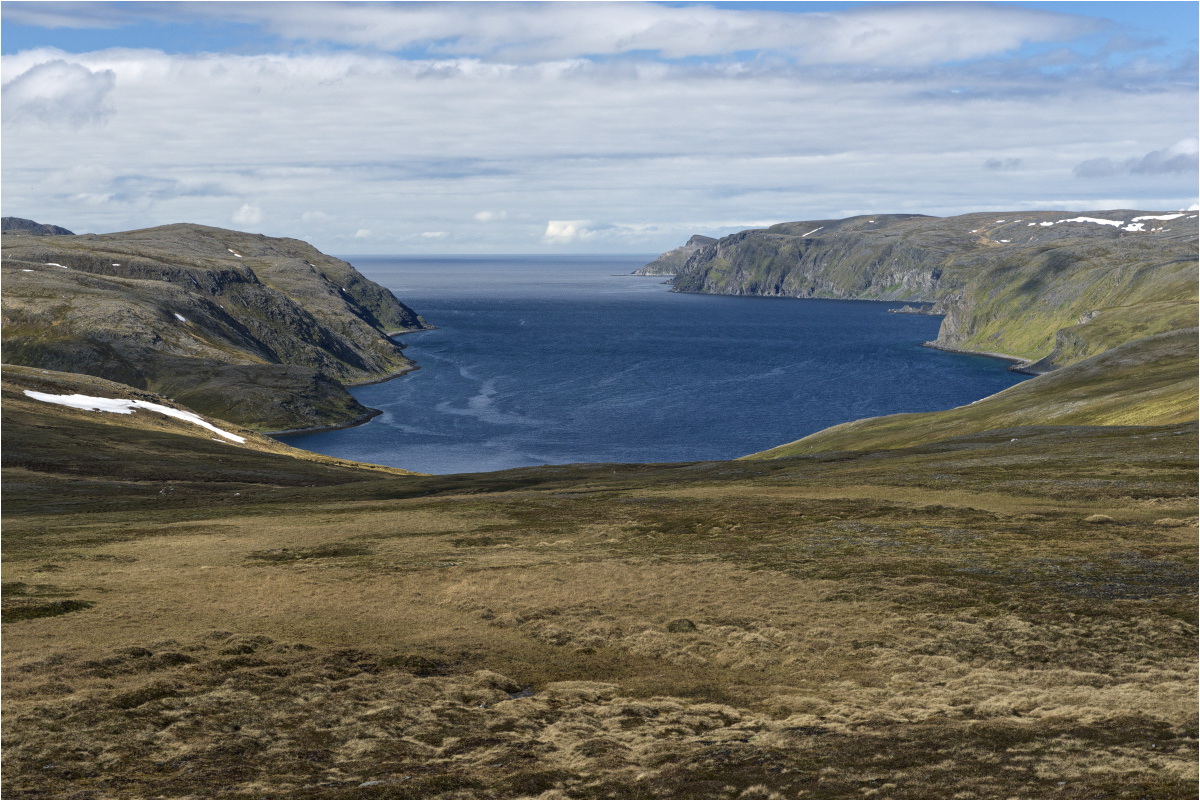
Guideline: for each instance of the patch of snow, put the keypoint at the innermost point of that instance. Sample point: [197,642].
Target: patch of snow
[1035,223]
[1046,224]
[1115,223]
[999,221]
[231,250]
[56,264]
[26,271]
[1137,226]
[813,231]
[180,317]
[116,265]
[1159,217]
[123,406]
[1005,240]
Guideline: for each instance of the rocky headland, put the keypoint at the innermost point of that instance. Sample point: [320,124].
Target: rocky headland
[673,261]
[260,331]
[1049,288]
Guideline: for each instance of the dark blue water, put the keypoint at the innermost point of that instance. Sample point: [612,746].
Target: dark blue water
[543,360]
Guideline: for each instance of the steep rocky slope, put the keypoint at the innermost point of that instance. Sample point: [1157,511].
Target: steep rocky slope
[1049,288]
[260,331]
[671,262]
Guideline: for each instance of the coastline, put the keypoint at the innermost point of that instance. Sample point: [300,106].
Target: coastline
[398,332]
[371,413]
[358,421]
[386,378]
[1019,364]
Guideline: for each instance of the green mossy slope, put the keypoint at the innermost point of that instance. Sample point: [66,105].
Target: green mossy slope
[1151,381]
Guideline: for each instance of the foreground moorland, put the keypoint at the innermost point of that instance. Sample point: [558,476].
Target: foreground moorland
[1003,614]
[993,601]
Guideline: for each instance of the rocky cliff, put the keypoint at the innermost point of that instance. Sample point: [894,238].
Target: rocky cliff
[260,331]
[1049,288]
[672,261]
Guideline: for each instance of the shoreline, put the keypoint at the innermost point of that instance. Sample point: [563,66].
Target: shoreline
[386,378]
[398,332]
[371,413]
[358,421]
[1019,363]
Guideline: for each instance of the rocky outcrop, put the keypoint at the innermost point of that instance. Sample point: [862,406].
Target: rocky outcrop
[19,225]
[260,331]
[1048,288]
[672,261]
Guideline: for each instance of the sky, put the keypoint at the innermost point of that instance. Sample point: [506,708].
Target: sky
[571,127]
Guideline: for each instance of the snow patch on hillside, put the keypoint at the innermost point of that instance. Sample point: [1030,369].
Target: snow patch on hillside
[126,406]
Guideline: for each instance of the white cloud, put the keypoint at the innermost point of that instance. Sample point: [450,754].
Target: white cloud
[58,92]
[247,215]
[649,147]
[434,234]
[908,34]
[362,233]
[564,232]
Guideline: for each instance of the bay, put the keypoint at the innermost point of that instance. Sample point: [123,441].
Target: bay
[557,360]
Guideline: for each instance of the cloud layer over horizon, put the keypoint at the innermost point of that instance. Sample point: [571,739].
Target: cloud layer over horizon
[381,128]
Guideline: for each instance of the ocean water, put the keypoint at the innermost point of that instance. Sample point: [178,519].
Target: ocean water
[557,360]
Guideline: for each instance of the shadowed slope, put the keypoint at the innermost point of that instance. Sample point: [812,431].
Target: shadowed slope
[264,332]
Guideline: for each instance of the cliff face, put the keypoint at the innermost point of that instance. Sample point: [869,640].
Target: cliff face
[672,261]
[1048,287]
[260,331]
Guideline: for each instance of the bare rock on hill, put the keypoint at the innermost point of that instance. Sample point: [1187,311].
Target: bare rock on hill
[672,261]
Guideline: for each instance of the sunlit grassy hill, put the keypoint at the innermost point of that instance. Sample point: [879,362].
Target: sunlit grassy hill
[1151,381]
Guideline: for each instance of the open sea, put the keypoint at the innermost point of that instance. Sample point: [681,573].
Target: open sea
[555,360]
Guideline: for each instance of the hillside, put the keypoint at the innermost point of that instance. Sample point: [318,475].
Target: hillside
[1046,288]
[259,331]
[1150,381]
